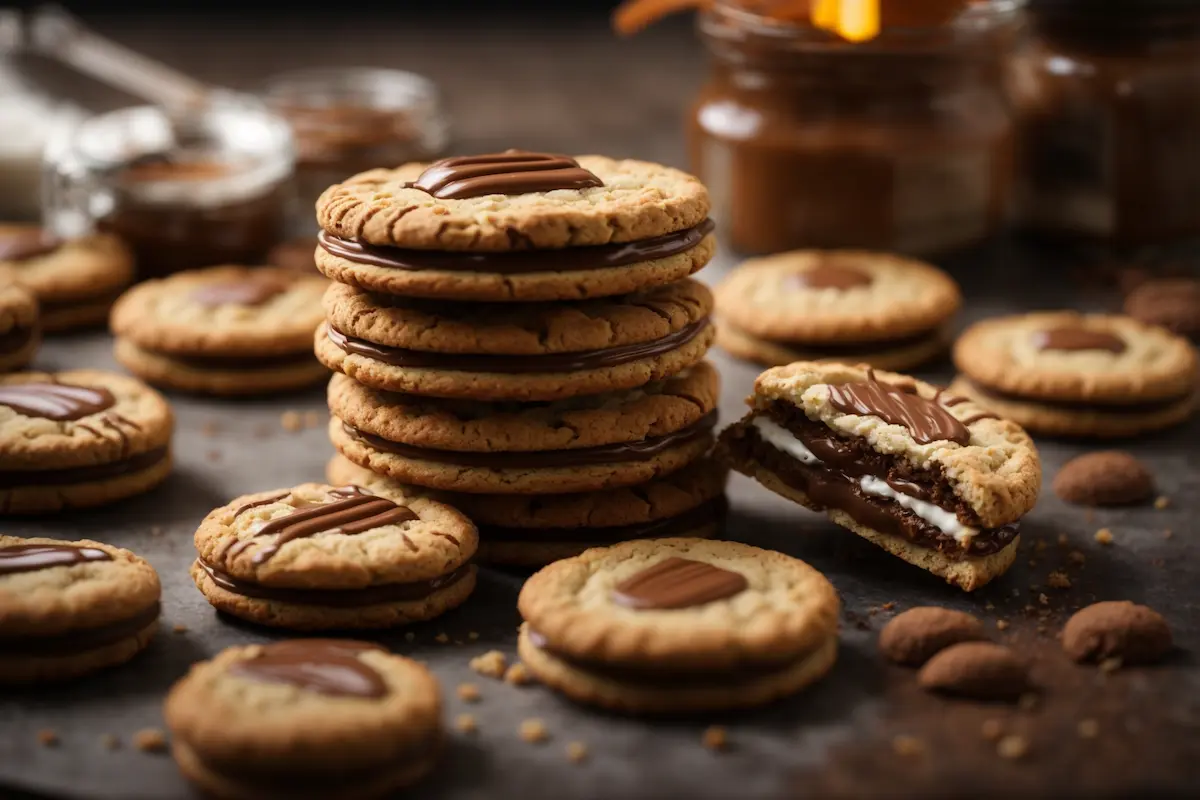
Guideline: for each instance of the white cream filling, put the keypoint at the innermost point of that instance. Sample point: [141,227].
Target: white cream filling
[945,521]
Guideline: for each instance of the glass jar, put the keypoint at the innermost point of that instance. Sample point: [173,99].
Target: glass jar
[196,187]
[348,120]
[1107,98]
[901,143]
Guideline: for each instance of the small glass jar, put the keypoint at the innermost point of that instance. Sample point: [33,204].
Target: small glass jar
[195,187]
[1107,97]
[901,143]
[348,120]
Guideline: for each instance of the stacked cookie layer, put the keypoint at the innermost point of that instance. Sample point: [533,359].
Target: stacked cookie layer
[517,333]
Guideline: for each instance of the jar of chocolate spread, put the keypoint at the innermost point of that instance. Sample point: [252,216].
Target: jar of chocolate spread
[1107,97]
[902,142]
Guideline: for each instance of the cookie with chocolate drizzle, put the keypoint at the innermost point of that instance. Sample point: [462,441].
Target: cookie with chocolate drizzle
[319,557]
[70,608]
[678,625]
[307,718]
[929,476]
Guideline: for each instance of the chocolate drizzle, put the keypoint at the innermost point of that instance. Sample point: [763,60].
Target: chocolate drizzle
[61,402]
[325,666]
[541,459]
[336,598]
[571,259]
[352,511]
[678,583]
[517,365]
[510,172]
[32,557]
[250,292]
[1075,338]
[25,243]
[926,421]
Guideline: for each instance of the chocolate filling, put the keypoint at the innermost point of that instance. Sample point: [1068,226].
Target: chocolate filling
[647,676]
[704,514]
[644,450]
[834,484]
[336,598]
[16,479]
[81,641]
[240,363]
[571,259]
[517,365]
[1147,407]
[15,340]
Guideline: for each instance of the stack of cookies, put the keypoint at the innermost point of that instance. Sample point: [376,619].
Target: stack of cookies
[517,334]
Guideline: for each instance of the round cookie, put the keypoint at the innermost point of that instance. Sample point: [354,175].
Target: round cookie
[79,439]
[577,445]
[534,352]
[839,305]
[20,329]
[535,530]
[317,557]
[489,228]
[678,625]
[75,281]
[71,608]
[307,718]
[1064,373]
[223,330]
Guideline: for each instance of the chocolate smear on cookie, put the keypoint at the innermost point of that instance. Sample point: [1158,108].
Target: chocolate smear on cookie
[831,275]
[61,402]
[678,583]
[325,666]
[352,511]
[32,557]
[510,172]
[926,421]
[1072,339]
[250,292]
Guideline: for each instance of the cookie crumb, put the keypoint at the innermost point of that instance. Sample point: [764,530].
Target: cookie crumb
[291,421]
[1058,580]
[110,742]
[1001,624]
[577,752]
[908,746]
[888,606]
[1012,747]
[150,740]
[534,731]
[47,737]
[466,723]
[1088,729]
[518,675]
[1028,701]
[1043,599]
[992,729]
[493,663]
[180,629]
[469,693]
[715,738]
[1104,536]
[1161,502]
[1110,665]
[442,638]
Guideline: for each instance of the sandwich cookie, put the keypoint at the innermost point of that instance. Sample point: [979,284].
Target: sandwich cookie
[515,226]
[529,352]
[71,608]
[579,445]
[20,330]
[535,530]
[223,330]
[319,557]
[848,306]
[307,718]
[930,477]
[75,281]
[1068,374]
[678,625]
[79,439]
